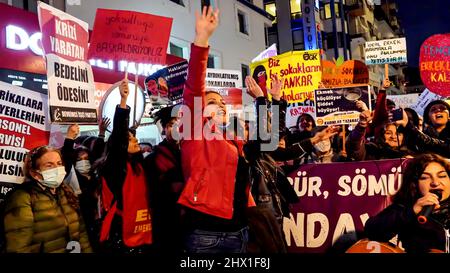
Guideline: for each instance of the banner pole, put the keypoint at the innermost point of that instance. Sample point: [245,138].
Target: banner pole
[135,95]
[343,139]
[386,71]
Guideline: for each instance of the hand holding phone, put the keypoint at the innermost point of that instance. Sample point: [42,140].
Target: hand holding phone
[397,114]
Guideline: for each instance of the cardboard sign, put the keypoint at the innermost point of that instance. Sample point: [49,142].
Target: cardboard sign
[424,99]
[386,51]
[435,64]
[340,73]
[167,84]
[130,36]
[221,79]
[295,110]
[69,74]
[337,199]
[338,106]
[23,126]
[301,72]
[404,101]
[269,52]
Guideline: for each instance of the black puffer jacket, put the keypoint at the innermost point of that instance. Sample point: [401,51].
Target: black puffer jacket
[415,237]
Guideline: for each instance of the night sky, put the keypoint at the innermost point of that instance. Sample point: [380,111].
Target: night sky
[421,19]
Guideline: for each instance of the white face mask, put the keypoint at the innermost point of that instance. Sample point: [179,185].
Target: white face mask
[145,154]
[323,146]
[52,178]
[83,166]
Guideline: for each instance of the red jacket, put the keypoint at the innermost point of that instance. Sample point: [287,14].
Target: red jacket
[209,166]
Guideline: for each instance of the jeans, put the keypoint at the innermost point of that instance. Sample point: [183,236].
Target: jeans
[203,241]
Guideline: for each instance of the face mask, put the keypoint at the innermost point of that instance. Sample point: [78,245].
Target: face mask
[53,177]
[83,166]
[323,146]
[145,154]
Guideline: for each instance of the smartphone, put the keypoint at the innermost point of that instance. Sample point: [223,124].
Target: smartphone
[397,114]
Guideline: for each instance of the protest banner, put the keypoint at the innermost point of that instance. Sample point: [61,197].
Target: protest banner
[434,64]
[404,101]
[69,74]
[339,73]
[166,85]
[23,126]
[271,51]
[131,36]
[228,83]
[300,71]
[425,97]
[386,51]
[338,105]
[337,199]
[217,79]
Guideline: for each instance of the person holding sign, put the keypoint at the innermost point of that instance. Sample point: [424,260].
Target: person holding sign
[426,184]
[216,192]
[42,215]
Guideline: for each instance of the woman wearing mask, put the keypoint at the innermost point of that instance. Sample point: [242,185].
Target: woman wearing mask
[216,192]
[127,224]
[425,183]
[88,184]
[42,215]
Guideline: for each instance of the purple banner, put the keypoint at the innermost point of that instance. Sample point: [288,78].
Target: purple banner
[338,198]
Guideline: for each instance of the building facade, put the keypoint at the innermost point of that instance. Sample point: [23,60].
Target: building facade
[343,27]
[239,37]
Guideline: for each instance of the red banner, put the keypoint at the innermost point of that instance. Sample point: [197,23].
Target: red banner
[435,64]
[23,126]
[63,35]
[130,36]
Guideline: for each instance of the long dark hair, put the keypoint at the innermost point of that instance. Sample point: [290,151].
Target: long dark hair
[409,191]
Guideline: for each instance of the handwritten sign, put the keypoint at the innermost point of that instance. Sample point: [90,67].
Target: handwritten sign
[130,36]
[386,51]
[435,64]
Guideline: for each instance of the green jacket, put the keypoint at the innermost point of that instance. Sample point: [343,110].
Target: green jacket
[38,221]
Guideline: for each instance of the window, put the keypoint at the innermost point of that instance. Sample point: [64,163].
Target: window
[212,61]
[176,50]
[331,42]
[245,72]
[179,2]
[31,5]
[272,10]
[266,35]
[296,11]
[212,3]
[328,10]
[243,22]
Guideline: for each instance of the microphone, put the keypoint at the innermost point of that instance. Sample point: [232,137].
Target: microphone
[428,209]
